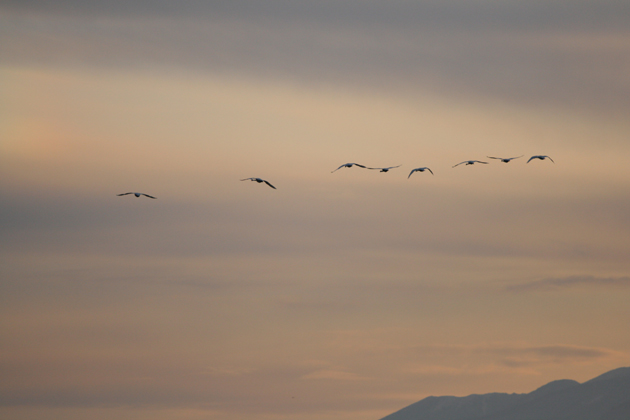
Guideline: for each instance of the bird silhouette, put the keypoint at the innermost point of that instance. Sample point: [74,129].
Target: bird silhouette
[259,180]
[419,170]
[505,160]
[541,157]
[137,194]
[386,169]
[470,162]
[347,165]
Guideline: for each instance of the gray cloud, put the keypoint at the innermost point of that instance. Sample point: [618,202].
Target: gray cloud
[311,223]
[460,12]
[528,356]
[516,356]
[560,53]
[553,351]
[560,283]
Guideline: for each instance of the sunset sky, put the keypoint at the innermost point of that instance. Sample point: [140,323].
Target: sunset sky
[338,296]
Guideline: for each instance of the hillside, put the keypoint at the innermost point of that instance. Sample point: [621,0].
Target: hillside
[606,397]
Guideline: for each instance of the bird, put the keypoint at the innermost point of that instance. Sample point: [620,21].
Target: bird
[386,169]
[137,194]
[259,180]
[541,157]
[347,165]
[505,160]
[470,162]
[419,170]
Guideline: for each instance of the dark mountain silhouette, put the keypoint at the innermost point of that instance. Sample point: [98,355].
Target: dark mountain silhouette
[606,397]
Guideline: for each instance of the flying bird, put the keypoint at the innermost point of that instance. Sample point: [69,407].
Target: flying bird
[259,180]
[470,162]
[386,169]
[541,157]
[420,170]
[348,165]
[137,194]
[505,160]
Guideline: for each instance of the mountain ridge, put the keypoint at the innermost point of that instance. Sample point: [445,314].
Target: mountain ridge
[605,397]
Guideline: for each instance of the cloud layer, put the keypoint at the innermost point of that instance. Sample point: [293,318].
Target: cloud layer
[557,53]
[553,284]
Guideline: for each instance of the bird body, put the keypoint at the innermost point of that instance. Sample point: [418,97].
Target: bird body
[419,170]
[137,194]
[470,162]
[541,157]
[259,180]
[348,165]
[505,160]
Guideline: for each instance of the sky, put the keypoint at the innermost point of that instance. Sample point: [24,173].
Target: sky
[344,295]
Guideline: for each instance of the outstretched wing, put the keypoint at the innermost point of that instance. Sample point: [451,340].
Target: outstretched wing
[412,171]
[124,194]
[428,169]
[460,163]
[492,157]
[550,159]
[533,157]
[267,182]
[517,157]
[387,168]
[247,179]
[360,166]
[150,196]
